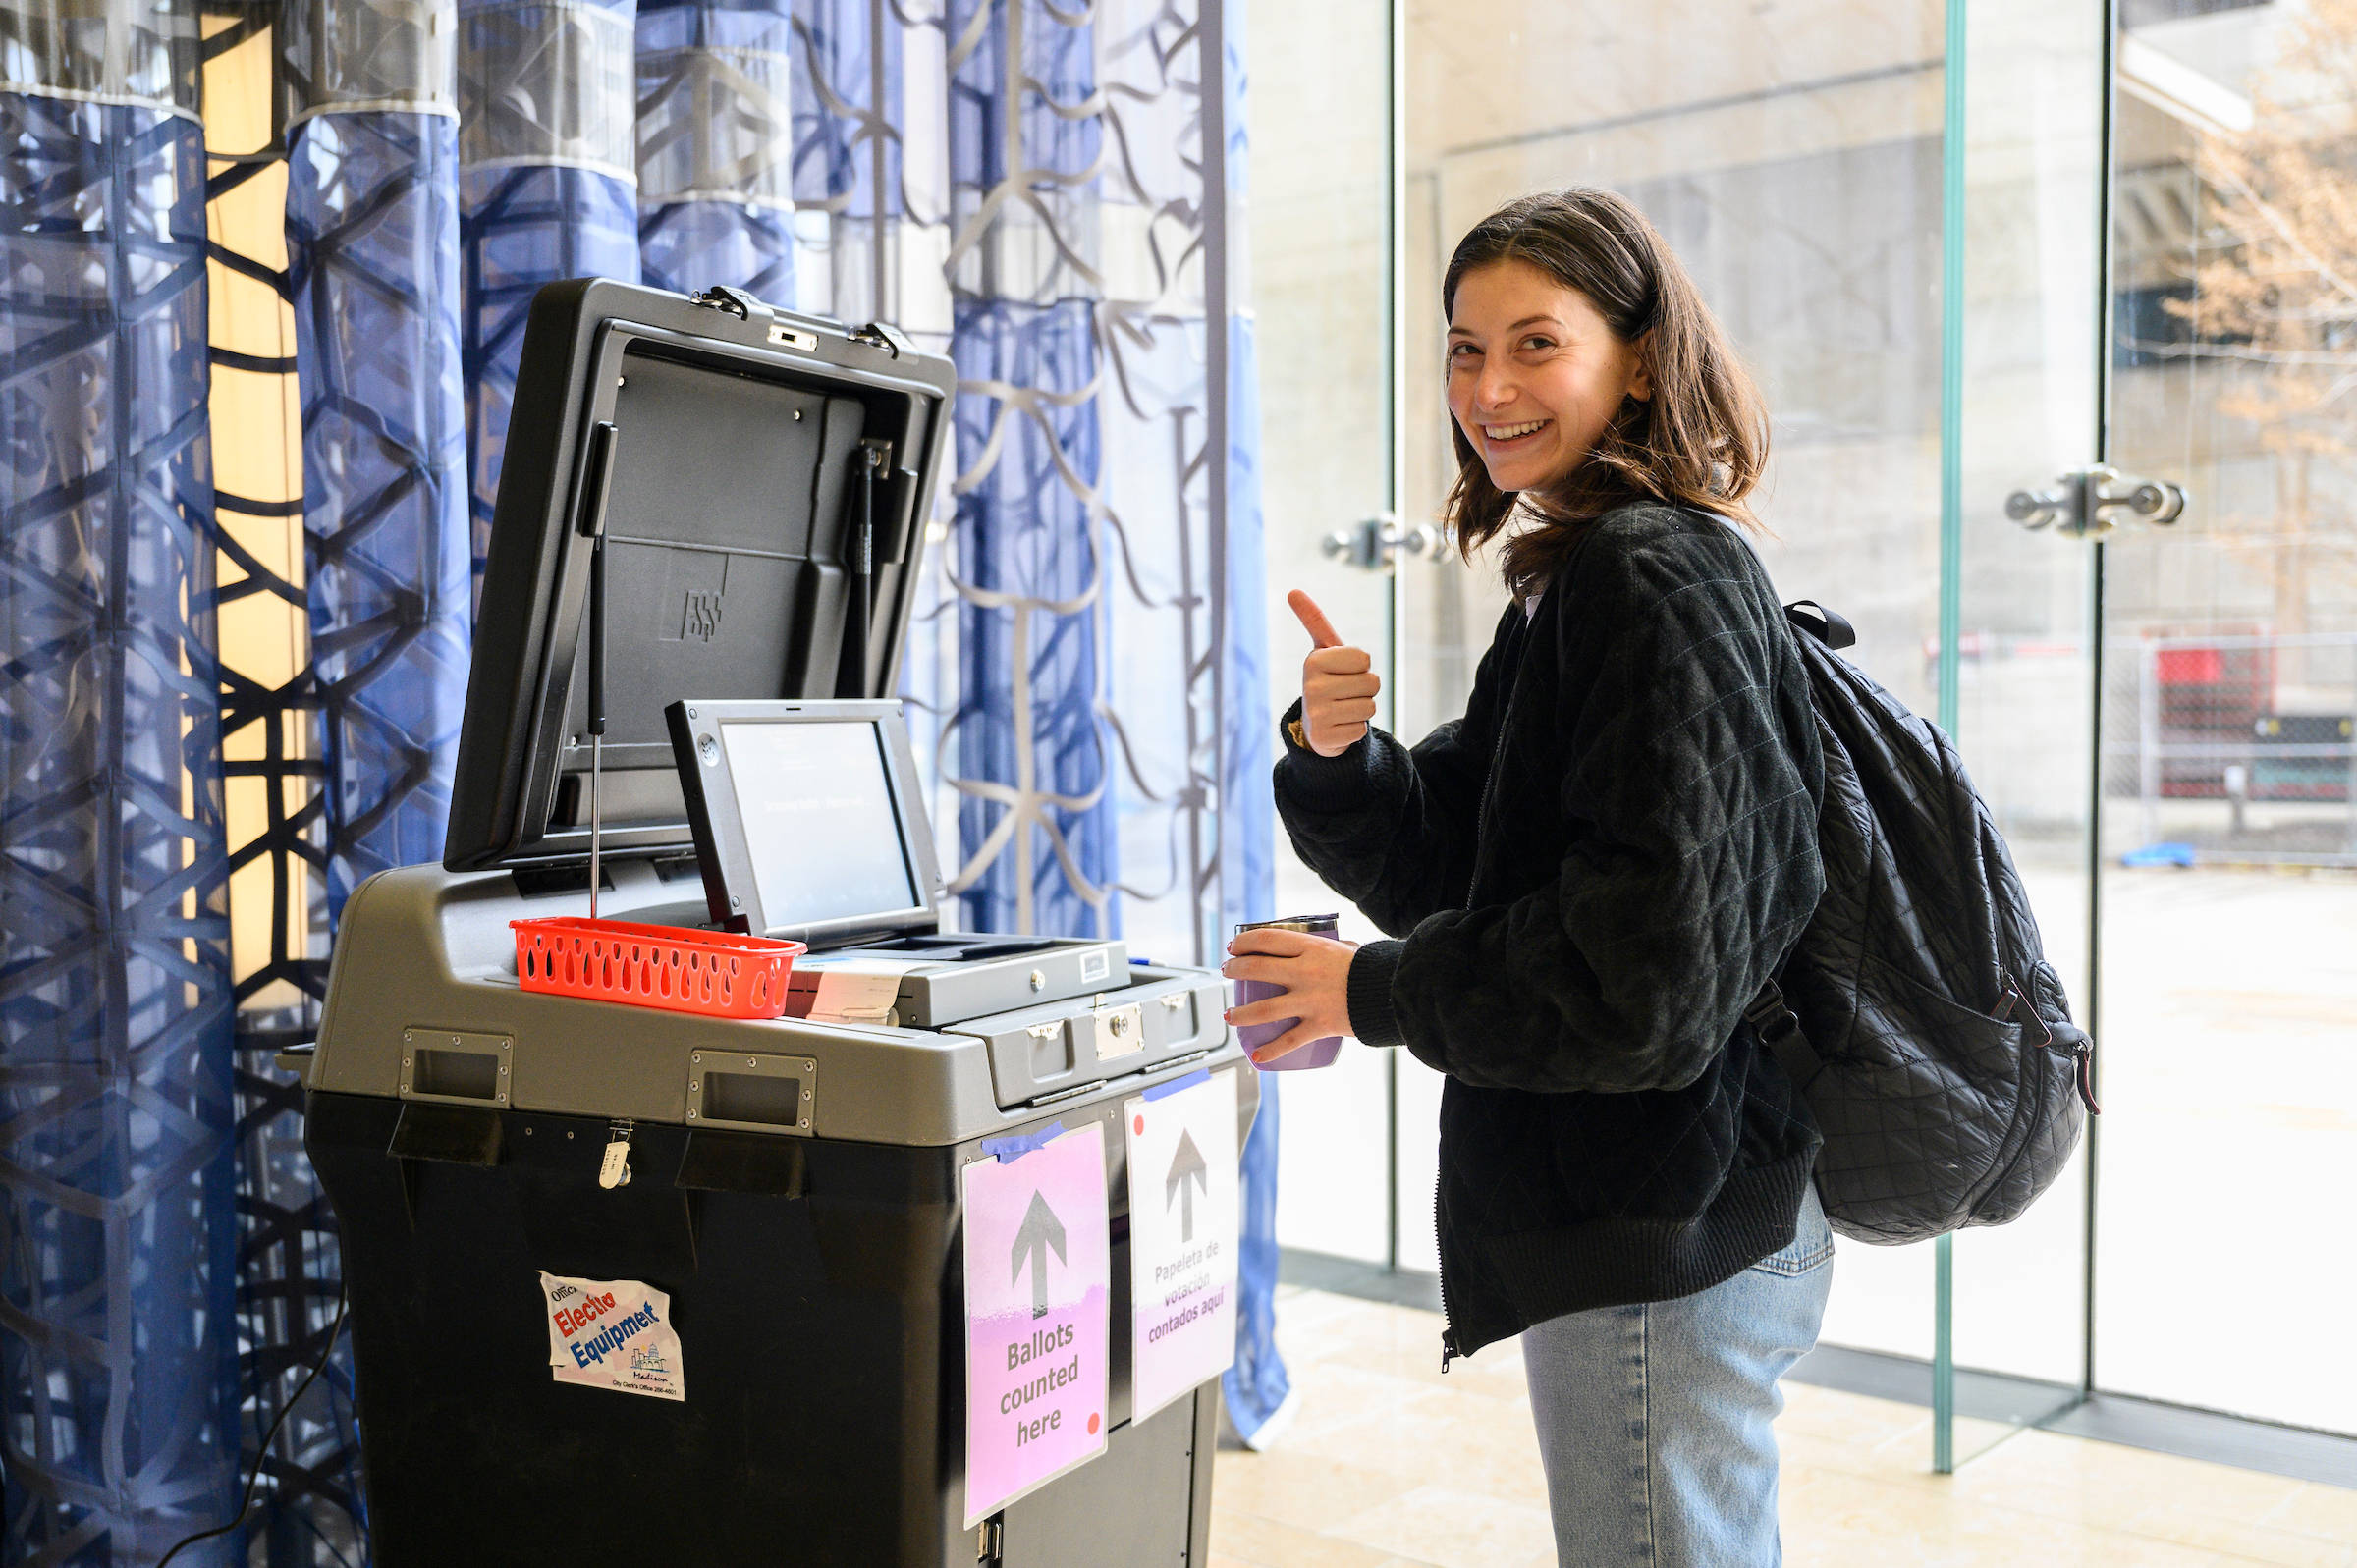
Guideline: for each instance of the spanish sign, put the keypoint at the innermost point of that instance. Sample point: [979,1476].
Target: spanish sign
[612,1333]
[1183,1234]
[1038,1291]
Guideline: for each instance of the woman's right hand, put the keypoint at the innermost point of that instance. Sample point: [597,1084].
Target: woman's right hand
[1338,683]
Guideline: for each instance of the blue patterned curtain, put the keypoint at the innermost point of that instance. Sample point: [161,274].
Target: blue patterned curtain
[116,1272]
[372,221]
[716,147]
[1109,511]
[1260,1397]
[286,1268]
[1038,814]
[1025,142]
[1048,195]
[547,188]
[372,227]
[854,87]
[1248,816]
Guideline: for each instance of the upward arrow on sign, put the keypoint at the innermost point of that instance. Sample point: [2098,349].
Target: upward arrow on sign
[1041,1230]
[1186,1164]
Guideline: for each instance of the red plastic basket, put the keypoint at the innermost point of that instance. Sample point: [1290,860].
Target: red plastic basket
[711,972]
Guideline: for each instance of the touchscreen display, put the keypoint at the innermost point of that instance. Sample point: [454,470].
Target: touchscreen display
[816,805]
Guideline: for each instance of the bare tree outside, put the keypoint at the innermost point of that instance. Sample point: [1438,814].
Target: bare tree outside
[2274,306]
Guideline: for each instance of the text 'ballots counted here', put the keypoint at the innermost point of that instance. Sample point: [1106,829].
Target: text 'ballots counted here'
[1038,1292]
[1183,1226]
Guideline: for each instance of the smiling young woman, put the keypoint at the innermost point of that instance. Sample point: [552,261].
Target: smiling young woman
[1586,879]
[1536,376]
[1568,309]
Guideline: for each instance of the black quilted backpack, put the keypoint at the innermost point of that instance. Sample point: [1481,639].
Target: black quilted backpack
[1917,1012]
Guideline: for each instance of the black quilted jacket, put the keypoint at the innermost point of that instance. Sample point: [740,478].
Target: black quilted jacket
[1593,871]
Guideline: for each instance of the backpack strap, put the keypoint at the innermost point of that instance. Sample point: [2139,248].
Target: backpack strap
[1822,624]
[1779,1030]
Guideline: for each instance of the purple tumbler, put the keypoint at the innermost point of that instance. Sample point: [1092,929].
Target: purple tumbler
[1318,1052]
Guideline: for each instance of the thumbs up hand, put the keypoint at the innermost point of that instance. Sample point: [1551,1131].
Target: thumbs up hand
[1338,683]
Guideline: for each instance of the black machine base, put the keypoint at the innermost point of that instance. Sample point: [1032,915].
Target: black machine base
[822,1346]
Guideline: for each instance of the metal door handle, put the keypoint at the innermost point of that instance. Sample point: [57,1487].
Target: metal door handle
[1373,544]
[2096,499]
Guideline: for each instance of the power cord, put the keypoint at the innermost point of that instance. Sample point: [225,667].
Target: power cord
[335,1332]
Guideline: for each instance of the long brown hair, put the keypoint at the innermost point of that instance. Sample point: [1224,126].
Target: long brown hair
[1700,440]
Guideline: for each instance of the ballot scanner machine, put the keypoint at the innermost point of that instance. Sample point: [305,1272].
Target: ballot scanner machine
[788,1188]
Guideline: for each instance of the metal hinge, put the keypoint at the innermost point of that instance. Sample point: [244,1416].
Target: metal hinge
[884,336]
[1037,1100]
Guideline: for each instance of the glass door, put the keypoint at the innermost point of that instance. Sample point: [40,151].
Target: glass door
[2015,663]
[1971,253]
[1909,260]
[2229,918]
[1320,249]
[1792,157]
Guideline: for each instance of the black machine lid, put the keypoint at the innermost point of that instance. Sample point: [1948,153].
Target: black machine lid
[738,457]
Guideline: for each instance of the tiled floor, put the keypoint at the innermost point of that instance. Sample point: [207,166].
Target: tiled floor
[1389,1465]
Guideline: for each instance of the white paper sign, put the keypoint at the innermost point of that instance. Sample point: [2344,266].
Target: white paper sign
[1038,1335]
[1183,1236]
[612,1333]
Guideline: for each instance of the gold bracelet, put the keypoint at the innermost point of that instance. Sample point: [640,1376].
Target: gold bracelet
[1292,727]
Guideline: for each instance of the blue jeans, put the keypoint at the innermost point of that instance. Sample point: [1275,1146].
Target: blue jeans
[1654,1419]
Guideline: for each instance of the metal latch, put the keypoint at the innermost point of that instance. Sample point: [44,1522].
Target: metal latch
[735,301]
[1116,1031]
[614,1169]
[1045,1031]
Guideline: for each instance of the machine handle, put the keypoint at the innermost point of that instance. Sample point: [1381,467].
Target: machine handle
[598,489]
[851,679]
[603,439]
[597,638]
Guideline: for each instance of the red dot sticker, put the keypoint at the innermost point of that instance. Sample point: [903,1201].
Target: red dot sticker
[1141,1126]
[1092,1424]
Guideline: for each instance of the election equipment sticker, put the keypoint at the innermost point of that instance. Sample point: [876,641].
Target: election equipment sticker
[1183,1235]
[612,1333]
[1038,1290]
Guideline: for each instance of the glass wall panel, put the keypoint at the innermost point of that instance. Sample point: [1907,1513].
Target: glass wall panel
[1320,175]
[2229,957]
